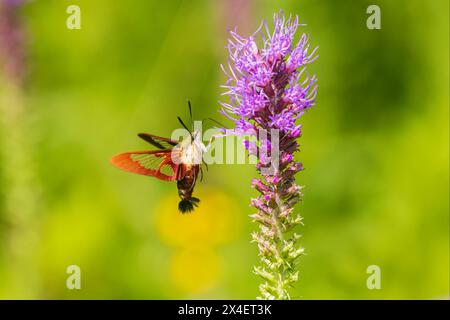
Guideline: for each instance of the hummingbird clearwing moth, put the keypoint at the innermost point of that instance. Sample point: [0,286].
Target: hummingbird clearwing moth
[173,161]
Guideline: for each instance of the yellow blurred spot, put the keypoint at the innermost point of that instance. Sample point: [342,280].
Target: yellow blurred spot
[195,266]
[215,221]
[195,271]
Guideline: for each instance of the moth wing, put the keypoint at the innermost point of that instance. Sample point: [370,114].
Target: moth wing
[158,164]
[158,142]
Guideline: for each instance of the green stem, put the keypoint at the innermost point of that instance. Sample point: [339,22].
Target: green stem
[20,200]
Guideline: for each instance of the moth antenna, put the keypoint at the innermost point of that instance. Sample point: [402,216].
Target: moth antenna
[182,123]
[190,113]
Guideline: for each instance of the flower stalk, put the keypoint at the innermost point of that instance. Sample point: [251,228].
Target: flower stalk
[20,186]
[269,90]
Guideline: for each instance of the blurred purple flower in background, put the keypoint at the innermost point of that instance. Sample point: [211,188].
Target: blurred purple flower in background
[269,89]
[12,54]
[20,190]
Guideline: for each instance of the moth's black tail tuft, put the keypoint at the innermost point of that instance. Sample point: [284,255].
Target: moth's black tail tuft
[188,205]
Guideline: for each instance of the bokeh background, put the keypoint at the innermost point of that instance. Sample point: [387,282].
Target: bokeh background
[375,148]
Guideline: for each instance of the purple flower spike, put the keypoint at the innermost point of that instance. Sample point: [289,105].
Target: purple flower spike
[270,89]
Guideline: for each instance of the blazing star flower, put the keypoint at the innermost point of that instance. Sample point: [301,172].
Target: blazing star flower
[270,89]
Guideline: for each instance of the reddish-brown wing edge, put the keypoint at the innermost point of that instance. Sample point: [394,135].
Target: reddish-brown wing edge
[159,142]
[124,162]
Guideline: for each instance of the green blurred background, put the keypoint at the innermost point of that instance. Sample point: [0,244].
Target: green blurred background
[375,148]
